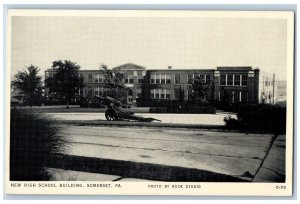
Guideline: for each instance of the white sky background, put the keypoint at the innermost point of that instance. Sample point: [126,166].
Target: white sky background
[150,42]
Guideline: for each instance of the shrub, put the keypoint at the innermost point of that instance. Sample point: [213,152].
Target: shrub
[34,139]
[158,110]
[259,117]
[183,109]
[90,103]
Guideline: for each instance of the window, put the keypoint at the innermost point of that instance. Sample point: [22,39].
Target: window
[168,79]
[140,79]
[236,96]
[177,79]
[97,91]
[163,80]
[176,93]
[90,91]
[190,78]
[162,93]
[152,92]
[80,92]
[152,79]
[202,77]
[237,79]
[229,80]
[207,78]
[157,95]
[129,79]
[244,80]
[101,78]
[244,96]
[103,91]
[157,78]
[223,80]
[168,95]
[90,77]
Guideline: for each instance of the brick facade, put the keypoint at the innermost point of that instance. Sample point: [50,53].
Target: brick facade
[233,84]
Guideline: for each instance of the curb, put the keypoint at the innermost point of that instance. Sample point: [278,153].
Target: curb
[137,124]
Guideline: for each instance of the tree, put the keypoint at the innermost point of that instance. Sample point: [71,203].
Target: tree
[29,85]
[200,92]
[66,81]
[115,81]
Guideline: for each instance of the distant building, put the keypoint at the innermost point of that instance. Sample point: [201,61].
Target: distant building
[273,91]
[16,98]
[228,84]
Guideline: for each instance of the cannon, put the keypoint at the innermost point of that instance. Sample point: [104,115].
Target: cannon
[116,112]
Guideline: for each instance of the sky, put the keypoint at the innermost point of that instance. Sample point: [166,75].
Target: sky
[155,43]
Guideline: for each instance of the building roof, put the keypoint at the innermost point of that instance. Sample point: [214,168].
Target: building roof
[236,68]
[190,70]
[129,66]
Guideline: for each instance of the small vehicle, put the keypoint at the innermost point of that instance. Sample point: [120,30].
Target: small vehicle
[116,112]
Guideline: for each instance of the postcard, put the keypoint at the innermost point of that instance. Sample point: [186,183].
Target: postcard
[149,102]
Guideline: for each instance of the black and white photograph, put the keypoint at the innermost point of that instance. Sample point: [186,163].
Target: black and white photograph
[150,102]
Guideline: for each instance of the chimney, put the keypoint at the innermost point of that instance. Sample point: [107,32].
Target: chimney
[169,67]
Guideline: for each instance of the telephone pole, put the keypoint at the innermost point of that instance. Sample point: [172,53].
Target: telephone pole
[273,88]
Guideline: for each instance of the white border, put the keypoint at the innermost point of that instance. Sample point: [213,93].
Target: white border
[266,189]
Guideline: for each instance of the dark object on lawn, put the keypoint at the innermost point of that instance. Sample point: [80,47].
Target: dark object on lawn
[34,139]
[116,112]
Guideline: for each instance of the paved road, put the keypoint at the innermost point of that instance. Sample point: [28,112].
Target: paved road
[203,119]
[235,154]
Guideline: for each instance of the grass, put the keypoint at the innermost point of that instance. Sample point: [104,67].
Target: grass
[34,139]
[79,110]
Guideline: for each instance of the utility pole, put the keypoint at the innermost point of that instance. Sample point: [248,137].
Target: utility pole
[273,88]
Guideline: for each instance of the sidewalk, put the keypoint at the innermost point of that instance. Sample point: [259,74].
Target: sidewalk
[169,154]
[273,166]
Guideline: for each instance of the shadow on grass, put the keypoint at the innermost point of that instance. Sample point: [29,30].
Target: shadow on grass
[129,169]
[34,139]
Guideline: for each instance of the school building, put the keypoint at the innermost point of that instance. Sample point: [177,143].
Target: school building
[227,84]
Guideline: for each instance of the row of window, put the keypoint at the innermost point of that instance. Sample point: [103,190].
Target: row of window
[234,96]
[234,80]
[160,79]
[98,91]
[99,78]
[102,91]
[160,94]
[130,80]
[204,77]
[166,78]
[225,79]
